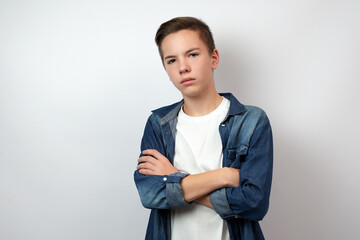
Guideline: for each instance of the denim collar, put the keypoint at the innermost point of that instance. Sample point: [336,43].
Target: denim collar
[170,112]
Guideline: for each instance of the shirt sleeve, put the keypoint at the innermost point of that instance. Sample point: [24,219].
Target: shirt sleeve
[251,199]
[158,191]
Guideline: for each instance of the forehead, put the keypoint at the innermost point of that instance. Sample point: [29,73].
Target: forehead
[181,41]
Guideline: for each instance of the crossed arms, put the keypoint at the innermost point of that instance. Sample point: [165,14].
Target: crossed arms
[194,187]
[162,186]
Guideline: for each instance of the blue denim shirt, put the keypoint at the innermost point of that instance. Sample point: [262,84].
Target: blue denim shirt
[247,145]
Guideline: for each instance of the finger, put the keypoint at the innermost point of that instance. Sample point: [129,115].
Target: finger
[145,166]
[146,171]
[149,159]
[153,152]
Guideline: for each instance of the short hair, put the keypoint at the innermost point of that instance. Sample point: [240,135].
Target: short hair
[185,23]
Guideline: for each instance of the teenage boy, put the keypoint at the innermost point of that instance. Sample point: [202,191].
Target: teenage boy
[205,168]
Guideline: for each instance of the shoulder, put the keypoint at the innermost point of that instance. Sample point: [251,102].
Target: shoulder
[248,125]
[251,118]
[254,112]
[168,112]
[164,114]
[244,113]
[162,111]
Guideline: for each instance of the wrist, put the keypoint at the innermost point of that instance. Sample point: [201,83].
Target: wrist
[230,177]
[225,180]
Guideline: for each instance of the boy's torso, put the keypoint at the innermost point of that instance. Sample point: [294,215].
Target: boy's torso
[198,149]
[235,133]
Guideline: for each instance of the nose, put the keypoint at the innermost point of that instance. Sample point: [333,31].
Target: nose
[184,67]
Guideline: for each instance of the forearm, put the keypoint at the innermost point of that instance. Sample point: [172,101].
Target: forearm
[199,185]
[204,200]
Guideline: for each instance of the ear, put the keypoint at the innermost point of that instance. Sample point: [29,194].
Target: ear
[215,59]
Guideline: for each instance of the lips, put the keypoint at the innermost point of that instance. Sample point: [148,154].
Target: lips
[187,81]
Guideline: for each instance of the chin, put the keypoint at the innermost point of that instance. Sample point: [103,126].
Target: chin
[191,94]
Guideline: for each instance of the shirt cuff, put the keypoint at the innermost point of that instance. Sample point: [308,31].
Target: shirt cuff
[174,193]
[220,203]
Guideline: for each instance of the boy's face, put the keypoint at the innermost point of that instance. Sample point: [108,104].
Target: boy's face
[188,63]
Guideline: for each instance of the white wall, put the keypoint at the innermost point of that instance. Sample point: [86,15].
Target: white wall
[78,80]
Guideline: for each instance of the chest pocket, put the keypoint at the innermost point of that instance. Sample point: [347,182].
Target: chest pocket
[235,156]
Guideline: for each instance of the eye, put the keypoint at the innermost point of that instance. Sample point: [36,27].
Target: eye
[171,61]
[193,54]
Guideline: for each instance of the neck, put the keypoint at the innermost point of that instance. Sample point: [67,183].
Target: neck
[202,105]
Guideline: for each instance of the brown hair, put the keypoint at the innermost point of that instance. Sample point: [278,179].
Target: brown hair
[182,23]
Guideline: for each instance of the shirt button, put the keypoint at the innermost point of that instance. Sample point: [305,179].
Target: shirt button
[223,125]
[165,179]
[236,216]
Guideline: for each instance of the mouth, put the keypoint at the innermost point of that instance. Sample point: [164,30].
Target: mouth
[187,81]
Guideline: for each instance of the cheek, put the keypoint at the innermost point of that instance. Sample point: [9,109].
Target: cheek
[204,68]
[175,83]
[172,70]
[172,76]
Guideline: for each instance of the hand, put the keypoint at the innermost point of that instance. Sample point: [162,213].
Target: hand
[231,176]
[154,163]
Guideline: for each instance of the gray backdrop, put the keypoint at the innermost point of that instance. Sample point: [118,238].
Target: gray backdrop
[78,80]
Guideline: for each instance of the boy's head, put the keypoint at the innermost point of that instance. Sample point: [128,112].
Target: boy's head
[185,23]
[189,56]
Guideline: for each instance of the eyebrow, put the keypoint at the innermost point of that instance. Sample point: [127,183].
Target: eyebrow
[188,51]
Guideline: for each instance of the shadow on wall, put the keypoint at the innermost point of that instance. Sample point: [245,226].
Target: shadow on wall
[241,69]
[305,167]
[233,72]
[302,189]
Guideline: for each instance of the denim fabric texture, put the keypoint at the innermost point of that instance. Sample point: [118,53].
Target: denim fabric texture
[247,145]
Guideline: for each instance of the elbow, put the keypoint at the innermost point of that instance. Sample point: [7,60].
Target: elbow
[146,200]
[258,206]
[152,195]
[257,214]
[257,211]
[153,202]
[251,207]
[253,213]
[146,203]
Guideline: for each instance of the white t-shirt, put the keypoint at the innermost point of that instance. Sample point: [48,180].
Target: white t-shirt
[198,149]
